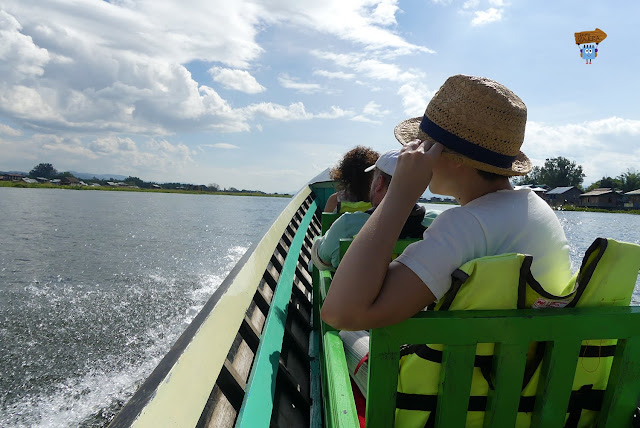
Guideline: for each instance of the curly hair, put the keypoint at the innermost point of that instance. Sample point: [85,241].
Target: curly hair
[350,172]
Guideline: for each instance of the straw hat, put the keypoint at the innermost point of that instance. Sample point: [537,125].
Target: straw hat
[478,121]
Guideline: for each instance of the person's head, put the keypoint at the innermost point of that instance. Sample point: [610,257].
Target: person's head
[383,170]
[350,172]
[481,125]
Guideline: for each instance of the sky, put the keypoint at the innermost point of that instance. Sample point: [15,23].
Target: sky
[265,94]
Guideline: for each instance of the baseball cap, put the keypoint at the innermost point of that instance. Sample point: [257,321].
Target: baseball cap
[386,162]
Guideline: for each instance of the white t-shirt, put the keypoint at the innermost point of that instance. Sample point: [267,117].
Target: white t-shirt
[506,221]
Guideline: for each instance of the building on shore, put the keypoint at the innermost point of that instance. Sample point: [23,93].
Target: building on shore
[559,196]
[605,197]
[633,199]
[8,176]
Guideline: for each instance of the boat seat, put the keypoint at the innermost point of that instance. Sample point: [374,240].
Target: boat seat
[345,207]
[339,405]
[512,331]
[398,248]
[563,330]
[327,220]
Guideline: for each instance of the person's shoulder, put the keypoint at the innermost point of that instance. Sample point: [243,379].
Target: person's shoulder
[348,219]
[430,216]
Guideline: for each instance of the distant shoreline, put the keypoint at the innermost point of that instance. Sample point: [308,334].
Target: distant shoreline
[23,185]
[595,210]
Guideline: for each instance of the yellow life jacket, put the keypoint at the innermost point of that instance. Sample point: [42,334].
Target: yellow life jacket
[350,207]
[607,277]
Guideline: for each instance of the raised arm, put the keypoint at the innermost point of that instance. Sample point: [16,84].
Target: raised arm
[331,204]
[367,290]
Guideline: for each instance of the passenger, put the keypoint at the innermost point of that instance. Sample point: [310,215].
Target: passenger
[353,182]
[325,251]
[466,145]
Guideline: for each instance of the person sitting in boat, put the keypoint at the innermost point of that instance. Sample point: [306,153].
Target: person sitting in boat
[466,145]
[325,251]
[353,182]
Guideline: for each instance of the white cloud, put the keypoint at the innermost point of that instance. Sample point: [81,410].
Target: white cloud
[415,97]
[334,113]
[111,145]
[239,80]
[334,74]
[295,111]
[371,68]
[373,109]
[362,21]
[497,3]
[305,88]
[20,58]
[225,146]
[119,66]
[603,147]
[7,130]
[471,4]
[370,113]
[482,17]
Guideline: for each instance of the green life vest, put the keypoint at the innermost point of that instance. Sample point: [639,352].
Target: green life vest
[607,277]
[350,207]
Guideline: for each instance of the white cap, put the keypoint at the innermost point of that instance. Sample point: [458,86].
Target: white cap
[386,162]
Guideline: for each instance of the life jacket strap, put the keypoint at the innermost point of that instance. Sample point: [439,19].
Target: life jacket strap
[586,398]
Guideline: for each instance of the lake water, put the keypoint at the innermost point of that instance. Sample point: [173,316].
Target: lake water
[96,286]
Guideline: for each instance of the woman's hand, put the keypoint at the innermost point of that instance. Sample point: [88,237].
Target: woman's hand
[415,168]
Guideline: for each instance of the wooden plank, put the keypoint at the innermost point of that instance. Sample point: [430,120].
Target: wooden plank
[517,328]
[342,407]
[509,362]
[231,384]
[258,401]
[623,390]
[315,413]
[455,384]
[556,380]
[384,357]
[327,221]
[537,325]
[179,387]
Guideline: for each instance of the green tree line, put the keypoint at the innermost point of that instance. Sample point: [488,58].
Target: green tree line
[562,172]
[46,170]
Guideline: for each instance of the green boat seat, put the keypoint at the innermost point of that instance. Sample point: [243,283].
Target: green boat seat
[593,314]
[512,331]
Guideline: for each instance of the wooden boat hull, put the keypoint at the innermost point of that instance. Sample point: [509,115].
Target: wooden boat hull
[257,327]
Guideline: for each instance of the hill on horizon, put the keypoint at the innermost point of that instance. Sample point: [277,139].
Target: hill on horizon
[87,175]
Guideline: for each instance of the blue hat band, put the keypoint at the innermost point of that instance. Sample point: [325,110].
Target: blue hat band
[464,147]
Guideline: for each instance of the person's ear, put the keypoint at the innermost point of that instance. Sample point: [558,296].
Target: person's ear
[379,183]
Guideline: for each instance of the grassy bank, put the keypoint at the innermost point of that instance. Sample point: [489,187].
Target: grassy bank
[596,210]
[131,189]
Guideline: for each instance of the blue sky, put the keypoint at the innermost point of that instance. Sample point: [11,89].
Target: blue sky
[265,94]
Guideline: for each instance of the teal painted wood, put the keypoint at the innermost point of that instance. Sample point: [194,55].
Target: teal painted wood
[556,380]
[455,384]
[384,358]
[257,405]
[625,376]
[503,401]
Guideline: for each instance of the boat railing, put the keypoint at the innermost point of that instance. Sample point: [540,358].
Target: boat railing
[258,321]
